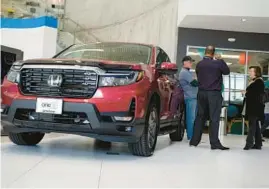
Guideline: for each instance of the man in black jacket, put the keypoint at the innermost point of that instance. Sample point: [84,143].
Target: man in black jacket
[209,100]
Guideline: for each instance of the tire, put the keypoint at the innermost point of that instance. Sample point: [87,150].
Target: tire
[28,139]
[146,145]
[178,135]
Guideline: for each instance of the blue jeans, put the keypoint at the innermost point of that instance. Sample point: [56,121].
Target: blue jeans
[191,109]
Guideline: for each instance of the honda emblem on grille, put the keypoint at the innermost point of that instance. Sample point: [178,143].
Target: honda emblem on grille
[55,80]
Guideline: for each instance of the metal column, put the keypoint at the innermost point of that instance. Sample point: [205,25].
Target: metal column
[223,121]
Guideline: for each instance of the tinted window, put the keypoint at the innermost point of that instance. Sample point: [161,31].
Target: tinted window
[161,56]
[133,53]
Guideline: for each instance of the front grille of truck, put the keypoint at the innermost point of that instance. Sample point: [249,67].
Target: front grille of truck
[76,83]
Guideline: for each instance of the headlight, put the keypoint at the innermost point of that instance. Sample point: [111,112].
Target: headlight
[14,72]
[13,76]
[119,79]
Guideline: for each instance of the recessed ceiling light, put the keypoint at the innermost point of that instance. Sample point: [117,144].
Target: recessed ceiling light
[243,20]
[231,39]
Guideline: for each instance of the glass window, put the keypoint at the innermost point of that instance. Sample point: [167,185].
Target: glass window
[161,56]
[260,59]
[237,80]
[233,83]
[122,52]
[234,59]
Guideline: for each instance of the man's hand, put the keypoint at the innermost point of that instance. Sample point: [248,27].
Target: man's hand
[194,83]
[218,56]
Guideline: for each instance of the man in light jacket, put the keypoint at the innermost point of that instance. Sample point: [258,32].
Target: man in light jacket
[190,87]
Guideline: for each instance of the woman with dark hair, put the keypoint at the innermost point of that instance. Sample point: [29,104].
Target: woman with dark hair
[254,108]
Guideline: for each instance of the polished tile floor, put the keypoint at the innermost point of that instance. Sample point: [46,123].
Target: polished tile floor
[75,162]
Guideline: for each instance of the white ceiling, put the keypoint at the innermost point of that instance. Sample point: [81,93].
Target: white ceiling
[227,23]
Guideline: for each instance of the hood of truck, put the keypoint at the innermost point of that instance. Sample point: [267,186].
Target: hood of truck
[106,64]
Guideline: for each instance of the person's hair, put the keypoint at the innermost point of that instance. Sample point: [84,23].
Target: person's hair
[257,70]
[210,50]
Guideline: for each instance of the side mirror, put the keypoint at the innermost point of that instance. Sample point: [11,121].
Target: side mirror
[168,68]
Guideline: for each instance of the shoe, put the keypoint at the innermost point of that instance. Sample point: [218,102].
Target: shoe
[248,147]
[220,147]
[191,144]
[256,147]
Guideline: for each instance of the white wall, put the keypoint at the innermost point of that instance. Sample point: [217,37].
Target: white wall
[34,42]
[143,21]
[49,42]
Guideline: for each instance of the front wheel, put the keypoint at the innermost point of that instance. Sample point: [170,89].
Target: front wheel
[147,143]
[26,138]
[178,135]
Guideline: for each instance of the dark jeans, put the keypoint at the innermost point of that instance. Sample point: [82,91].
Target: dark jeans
[265,123]
[209,104]
[254,132]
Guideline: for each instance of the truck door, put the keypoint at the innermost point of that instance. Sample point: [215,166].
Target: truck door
[165,85]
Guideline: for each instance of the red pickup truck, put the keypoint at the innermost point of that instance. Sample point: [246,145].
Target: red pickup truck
[115,92]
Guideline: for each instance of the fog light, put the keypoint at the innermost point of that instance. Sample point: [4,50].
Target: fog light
[128,129]
[32,116]
[123,118]
[86,122]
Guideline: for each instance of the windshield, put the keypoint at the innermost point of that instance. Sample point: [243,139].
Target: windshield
[120,52]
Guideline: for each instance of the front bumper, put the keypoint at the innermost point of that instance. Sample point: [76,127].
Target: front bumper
[98,126]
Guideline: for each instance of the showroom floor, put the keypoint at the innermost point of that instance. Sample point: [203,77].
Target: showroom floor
[74,162]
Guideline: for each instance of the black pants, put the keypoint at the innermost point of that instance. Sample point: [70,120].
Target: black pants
[209,104]
[254,132]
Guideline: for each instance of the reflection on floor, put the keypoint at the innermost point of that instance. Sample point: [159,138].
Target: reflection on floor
[73,161]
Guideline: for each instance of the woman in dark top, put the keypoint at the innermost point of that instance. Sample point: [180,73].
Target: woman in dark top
[254,108]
